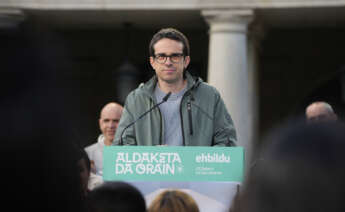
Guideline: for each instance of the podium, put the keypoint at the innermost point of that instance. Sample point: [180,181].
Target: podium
[211,175]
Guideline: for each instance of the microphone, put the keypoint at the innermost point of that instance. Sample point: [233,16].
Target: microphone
[165,98]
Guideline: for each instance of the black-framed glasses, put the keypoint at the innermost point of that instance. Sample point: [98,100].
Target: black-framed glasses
[174,58]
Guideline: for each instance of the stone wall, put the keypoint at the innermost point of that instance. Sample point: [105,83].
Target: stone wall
[294,64]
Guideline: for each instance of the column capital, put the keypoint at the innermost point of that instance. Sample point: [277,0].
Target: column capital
[228,20]
[10,17]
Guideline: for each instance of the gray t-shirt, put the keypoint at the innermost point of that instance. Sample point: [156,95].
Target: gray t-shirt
[171,115]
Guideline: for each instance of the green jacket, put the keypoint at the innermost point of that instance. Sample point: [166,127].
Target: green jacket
[204,118]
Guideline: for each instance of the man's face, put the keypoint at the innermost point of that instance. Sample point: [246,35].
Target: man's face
[318,113]
[169,71]
[109,121]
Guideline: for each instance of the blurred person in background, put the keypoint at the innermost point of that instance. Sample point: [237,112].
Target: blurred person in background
[320,112]
[108,121]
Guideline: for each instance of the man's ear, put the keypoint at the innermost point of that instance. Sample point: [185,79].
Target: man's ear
[99,123]
[186,61]
[152,62]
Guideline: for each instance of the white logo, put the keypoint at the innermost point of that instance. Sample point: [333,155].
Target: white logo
[148,163]
[212,158]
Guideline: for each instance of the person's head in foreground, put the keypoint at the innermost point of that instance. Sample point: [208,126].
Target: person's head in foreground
[173,201]
[302,170]
[116,196]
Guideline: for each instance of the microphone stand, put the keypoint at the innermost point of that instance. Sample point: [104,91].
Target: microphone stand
[156,105]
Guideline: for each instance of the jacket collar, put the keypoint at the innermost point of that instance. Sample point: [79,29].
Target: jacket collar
[149,86]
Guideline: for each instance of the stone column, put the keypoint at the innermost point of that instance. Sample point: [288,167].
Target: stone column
[255,37]
[228,69]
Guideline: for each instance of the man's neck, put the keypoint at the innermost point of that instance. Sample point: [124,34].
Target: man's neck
[107,142]
[172,87]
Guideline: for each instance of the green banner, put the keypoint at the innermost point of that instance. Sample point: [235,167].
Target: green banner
[167,163]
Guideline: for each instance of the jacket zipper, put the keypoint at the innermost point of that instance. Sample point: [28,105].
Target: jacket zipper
[190,113]
[181,117]
[189,108]
[161,128]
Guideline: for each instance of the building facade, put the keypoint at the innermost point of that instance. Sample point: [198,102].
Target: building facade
[267,58]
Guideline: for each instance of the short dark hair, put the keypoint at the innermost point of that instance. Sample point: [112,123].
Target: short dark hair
[116,196]
[172,34]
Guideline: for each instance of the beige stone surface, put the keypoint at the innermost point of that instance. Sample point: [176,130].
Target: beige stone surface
[172,4]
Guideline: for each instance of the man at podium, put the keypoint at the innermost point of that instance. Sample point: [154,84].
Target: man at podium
[174,108]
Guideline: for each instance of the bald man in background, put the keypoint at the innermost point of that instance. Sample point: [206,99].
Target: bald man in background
[108,122]
[320,112]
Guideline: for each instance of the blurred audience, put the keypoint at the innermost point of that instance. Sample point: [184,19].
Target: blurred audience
[302,170]
[173,201]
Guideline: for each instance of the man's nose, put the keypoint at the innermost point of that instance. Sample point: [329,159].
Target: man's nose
[112,124]
[168,61]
